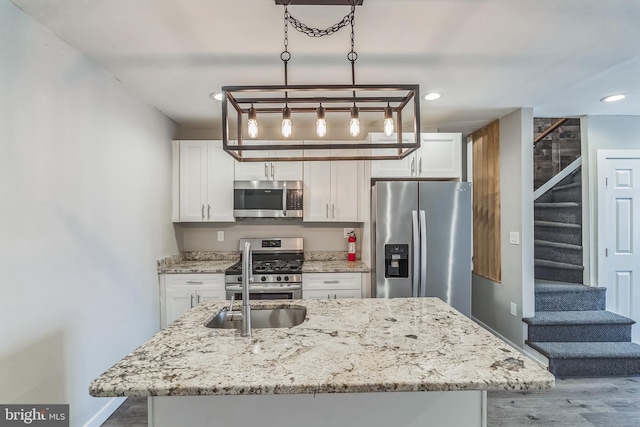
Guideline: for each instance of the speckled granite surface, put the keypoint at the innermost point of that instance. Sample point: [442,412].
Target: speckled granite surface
[337,266]
[218,262]
[343,346]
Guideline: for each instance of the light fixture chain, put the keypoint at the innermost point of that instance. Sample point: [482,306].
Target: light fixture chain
[317,32]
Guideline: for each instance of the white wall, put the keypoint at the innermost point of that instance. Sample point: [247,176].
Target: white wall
[603,133]
[85,191]
[491,301]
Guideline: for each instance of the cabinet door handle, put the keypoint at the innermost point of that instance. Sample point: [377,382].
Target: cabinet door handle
[208,211]
[194,282]
[333,211]
[331,282]
[413,166]
[272,174]
[327,210]
[202,211]
[198,299]
[328,296]
[335,296]
[191,301]
[266,170]
[420,167]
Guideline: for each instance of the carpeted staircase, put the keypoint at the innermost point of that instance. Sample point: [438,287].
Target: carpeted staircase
[558,231]
[578,336]
[571,326]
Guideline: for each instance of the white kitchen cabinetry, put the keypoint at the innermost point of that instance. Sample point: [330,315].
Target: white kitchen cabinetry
[181,292]
[331,285]
[331,190]
[439,156]
[269,171]
[205,189]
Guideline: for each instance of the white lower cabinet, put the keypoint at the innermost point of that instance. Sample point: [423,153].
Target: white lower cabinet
[331,285]
[181,292]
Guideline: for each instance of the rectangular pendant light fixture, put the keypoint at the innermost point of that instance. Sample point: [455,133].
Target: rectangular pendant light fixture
[296,106]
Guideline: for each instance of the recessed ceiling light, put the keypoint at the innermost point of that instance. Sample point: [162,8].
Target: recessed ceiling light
[217,96]
[432,96]
[614,98]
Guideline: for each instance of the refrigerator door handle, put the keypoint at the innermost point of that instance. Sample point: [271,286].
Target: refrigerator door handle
[423,253]
[415,246]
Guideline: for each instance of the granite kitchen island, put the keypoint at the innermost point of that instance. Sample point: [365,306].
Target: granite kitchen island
[369,362]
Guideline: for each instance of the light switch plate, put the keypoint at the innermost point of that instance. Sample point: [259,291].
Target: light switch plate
[514,309]
[514,238]
[220,236]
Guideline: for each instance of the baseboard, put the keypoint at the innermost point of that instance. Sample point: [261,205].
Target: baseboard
[105,412]
[527,351]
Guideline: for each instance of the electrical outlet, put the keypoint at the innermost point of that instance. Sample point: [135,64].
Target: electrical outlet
[220,236]
[347,231]
[514,238]
[514,309]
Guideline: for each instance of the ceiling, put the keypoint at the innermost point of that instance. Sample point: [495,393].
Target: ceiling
[487,57]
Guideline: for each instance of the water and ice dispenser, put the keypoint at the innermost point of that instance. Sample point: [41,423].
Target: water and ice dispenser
[396,260]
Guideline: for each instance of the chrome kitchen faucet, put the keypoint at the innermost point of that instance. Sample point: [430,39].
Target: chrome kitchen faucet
[247,277]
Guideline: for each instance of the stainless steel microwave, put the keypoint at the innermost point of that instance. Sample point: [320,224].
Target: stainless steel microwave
[267,199]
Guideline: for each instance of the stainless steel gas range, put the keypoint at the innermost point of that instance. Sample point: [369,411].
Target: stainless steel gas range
[276,268]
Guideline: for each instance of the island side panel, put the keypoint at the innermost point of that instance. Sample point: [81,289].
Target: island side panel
[418,409]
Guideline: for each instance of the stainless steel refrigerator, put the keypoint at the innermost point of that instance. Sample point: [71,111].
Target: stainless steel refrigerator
[422,241]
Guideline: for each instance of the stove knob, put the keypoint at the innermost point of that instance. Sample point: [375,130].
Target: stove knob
[278,278]
[239,279]
[286,278]
[263,278]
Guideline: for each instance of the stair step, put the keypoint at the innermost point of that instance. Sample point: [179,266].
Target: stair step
[564,212]
[567,186]
[590,359]
[558,265]
[559,245]
[558,251]
[557,205]
[558,232]
[579,317]
[559,296]
[579,326]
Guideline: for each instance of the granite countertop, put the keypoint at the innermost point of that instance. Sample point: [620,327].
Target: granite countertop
[218,262]
[343,346]
[334,266]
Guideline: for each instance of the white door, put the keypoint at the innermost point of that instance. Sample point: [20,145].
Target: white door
[344,191]
[402,168]
[193,180]
[317,191]
[179,300]
[219,184]
[440,155]
[622,238]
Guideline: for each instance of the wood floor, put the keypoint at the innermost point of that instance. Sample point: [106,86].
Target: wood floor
[575,402]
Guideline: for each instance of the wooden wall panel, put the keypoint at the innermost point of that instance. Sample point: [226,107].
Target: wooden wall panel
[486,202]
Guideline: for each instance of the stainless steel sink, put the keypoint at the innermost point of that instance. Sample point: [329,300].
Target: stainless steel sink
[261,317]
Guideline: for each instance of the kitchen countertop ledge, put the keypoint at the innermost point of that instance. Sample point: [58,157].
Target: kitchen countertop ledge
[343,346]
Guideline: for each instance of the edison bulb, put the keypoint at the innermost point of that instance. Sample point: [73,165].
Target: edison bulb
[252,128]
[321,127]
[354,127]
[388,127]
[286,128]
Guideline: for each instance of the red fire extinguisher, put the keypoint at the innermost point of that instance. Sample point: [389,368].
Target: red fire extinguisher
[351,247]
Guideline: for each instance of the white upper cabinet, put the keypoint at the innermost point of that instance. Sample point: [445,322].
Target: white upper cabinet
[269,171]
[439,156]
[402,168]
[205,182]
[331,189]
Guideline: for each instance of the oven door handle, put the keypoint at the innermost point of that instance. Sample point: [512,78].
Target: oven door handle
[284,198]
[274,289]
